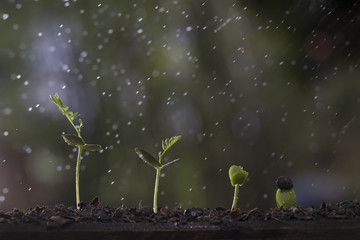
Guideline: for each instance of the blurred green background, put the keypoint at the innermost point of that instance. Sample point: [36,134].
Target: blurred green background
[272,86]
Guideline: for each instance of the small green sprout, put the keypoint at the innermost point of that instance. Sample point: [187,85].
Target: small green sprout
[74,140]
[285,195]
[149,159]
[237,178]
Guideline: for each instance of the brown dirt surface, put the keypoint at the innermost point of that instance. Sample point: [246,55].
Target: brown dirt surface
[61,216]
[93,221]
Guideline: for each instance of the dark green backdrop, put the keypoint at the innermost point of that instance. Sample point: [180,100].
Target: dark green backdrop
[273,86]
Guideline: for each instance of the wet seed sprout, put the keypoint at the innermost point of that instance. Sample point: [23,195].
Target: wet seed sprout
[149,159]
[285,195]
[237,178]
[74,140]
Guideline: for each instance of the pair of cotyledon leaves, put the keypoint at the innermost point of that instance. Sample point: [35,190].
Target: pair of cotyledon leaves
[73,140]
[149,159]
[237,175]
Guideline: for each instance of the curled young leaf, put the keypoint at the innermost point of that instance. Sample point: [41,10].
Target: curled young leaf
[237,175]
[56,99]
[92,147]
[73,140]
[148,158]
[167,143]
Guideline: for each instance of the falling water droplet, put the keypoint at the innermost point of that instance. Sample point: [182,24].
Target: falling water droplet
[5,16]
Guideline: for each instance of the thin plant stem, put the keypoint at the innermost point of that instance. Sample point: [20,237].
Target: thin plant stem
[155,207]
[78,162]
[72,123]
[77,177]
[236,197]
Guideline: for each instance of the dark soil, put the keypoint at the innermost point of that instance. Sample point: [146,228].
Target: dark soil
[219,223]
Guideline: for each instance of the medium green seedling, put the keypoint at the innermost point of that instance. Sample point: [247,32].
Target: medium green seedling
[285,195]
[153,162]
[74,140]
[237,178]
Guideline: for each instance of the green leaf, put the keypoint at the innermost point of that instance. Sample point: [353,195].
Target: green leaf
[286,198]
[73,140]
[92,147]
[173,161]
[148,158]
[167,143]
[56,99]
[237,175]
[64,109]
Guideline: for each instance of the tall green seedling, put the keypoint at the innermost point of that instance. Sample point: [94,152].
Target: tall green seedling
[149,159]
[74,139]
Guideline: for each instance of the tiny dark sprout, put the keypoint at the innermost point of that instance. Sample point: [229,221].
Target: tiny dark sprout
[285,195]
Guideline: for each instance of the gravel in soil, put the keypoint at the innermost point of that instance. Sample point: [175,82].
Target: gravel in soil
[61,216]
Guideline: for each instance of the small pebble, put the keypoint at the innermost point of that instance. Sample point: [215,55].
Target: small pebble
[147,210]
[194,212]
[235,213]
[164,211]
